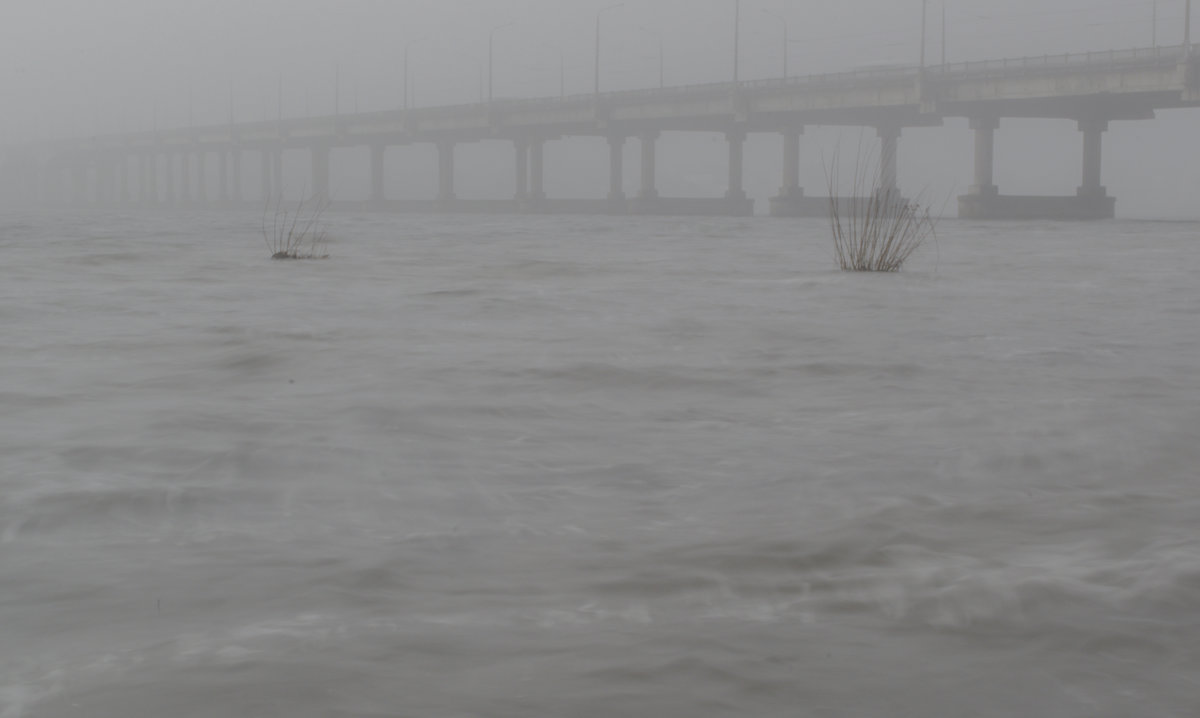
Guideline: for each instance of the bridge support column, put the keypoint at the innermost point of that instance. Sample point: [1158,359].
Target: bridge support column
[235,162]
[277,172]
[320,173]
[1093,133]
[223,175]
[185,173]
[104,181]
[735,197]
[791,201]
[265,174]
[445,153]
[616,174]
[985,155]
[201,178]
[889,139]
[737,153]
[649,189]
[152,178]
[378,155]
[537,169]
[169,160]
[521,149]
[123,179]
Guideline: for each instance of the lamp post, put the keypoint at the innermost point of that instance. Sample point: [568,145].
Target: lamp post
[492,55]
[786,43]
[662,73]
[407,94]
[1187,30]
[737,37]
[600,12]
[924,25]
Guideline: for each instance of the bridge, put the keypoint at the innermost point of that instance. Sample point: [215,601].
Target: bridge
[175,167]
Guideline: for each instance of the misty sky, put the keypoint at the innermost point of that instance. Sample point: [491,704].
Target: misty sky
[89,66]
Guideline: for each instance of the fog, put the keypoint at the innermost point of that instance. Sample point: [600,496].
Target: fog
[74,68]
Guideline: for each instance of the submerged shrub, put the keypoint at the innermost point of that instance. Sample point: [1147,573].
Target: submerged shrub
[296,234]
[877,229]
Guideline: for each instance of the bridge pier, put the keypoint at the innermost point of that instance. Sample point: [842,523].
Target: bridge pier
[445,153]
[235,161]
[889,144]
[320,173]
[791,201]
[616,174]
[222,176]
[736,201]
[378,156]
[201,178]
[537,170]
[521,150]
[264,165]
[187,197]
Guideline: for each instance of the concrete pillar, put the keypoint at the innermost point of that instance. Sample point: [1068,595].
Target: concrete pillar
[277,161]
[265,173]
[889,137]
[737,153]
[616,168]
[985,154]
[201,177]
[123,180]
[521,147]
[185,174]
[104,177]
[235,166]
[791,164]
[144,192]
[445,151]
[378,156]
[223,175]
[1093,131]
[537,169]
[320,172]
[649,189]
[169,160]
[152,179]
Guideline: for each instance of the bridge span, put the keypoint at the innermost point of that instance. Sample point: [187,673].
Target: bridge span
[203,166]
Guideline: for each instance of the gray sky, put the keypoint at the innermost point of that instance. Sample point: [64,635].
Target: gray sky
[88,66]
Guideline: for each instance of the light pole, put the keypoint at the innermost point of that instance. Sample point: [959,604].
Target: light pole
[492,55]
[1187,30]
[600,12]
[662,72]
[924,25]
[786,43]
[737,37]
[407,46]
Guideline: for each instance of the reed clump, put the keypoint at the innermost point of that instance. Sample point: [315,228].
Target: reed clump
[296,233]
[876,229]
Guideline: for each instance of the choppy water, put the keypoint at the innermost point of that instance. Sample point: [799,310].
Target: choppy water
[596,467]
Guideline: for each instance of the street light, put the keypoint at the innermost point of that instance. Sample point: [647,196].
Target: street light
[408,45]
[492,54]
[737,36]
[661,62]
[600,12]
[924,25]
[786,43]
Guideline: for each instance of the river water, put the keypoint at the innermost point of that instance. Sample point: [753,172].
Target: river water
[593,466]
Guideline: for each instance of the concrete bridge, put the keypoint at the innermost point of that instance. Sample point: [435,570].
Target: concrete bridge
[176,167]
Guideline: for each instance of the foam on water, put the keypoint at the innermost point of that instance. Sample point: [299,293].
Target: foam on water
[596,466]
